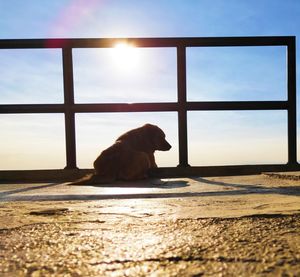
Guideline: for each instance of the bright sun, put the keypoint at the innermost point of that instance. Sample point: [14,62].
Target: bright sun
[126,56]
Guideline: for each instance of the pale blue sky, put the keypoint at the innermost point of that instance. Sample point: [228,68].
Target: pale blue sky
[249,73]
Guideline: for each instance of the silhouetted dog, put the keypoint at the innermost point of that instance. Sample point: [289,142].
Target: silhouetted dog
[129,158]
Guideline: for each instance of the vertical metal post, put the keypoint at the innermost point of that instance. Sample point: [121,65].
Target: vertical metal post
[292,116]
[68,103]
[182,112]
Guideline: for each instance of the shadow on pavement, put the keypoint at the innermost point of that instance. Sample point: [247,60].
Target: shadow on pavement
[238,190]
[4,193]
[259,189]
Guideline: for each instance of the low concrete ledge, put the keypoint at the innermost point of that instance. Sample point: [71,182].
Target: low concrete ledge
[52,175]
[42,175]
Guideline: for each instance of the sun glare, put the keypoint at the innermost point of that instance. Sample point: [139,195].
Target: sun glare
[126,56]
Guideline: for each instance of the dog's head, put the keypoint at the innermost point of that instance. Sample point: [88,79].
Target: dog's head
[156,137]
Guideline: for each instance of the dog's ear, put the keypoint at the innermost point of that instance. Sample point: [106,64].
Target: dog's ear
[151,130]
[156,137]
[149,136]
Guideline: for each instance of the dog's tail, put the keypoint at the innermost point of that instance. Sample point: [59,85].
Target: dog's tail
[90,179]
[85,180]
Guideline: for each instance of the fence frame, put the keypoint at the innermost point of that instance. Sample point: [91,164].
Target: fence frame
[182,106]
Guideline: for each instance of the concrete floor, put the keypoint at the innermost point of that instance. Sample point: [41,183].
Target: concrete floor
[222,226]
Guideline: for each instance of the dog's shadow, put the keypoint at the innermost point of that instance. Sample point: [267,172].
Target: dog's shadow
[149,183]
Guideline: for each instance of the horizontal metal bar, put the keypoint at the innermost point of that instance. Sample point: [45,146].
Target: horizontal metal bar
[238,41]
[88,108]
[144,107]
[145,42]
[32,108]
[237,105]
[125,107]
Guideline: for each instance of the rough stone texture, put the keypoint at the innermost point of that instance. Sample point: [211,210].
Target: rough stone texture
[186,247]
[233,226]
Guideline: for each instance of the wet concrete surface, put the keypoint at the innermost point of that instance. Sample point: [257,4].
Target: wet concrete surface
[225,226]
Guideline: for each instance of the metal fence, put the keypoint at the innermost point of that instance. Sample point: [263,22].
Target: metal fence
[181,106]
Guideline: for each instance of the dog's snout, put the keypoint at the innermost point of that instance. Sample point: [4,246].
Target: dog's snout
[169,146]
[166,146]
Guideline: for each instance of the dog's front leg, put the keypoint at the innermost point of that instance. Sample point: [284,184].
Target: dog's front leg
[152,160]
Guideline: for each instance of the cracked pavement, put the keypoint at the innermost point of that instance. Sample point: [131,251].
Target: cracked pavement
[225,226]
